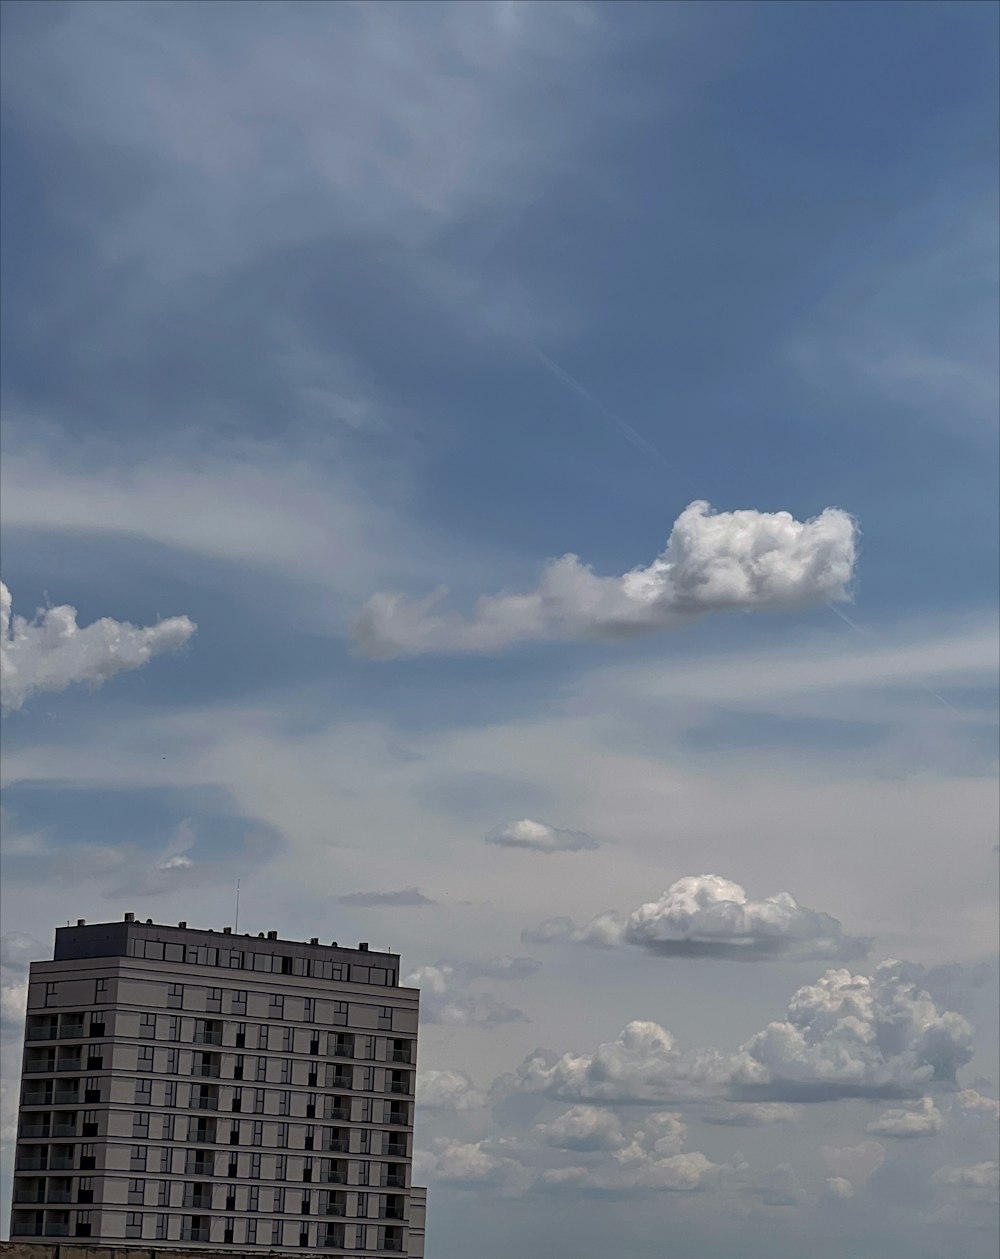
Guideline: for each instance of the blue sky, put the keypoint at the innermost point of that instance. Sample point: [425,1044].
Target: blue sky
[308,304]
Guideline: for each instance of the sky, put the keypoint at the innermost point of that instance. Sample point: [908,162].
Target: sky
[516,483]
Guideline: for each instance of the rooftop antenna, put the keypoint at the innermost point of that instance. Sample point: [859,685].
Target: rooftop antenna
[237,926]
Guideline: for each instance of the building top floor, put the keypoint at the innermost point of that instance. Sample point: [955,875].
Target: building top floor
[182,943]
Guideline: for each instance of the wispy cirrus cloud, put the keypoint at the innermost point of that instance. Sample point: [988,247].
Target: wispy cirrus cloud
[539,837]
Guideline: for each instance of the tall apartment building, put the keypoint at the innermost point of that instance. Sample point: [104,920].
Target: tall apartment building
[206,1089]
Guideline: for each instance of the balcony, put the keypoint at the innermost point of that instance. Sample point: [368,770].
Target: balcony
[64,1162]
[35,1131]
[400,1055]
[392,1243]
[337,1145]
[340,1080]
[32,1163]
[67,1096]
[394,1209]
[392,1180]
[59,1195]
[333,1204]
[195,1234]
[200,1169]
[399,1086]
[395,1149]
[198,1201]
[337,1175]
[71,1063]
[37,1097]
[208,1067]
[71,1029]
[29,1197]
[27,1228]
[64,1128]
[41,1031]
[205,1103]
[57,1228]
[37,1066]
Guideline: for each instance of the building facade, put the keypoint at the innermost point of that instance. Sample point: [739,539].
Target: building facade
[210,1090]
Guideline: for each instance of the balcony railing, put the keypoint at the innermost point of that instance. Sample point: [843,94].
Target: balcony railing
[209,1069]
[32,1163]
[26,1228]
[71,1064]
[393,1213]
[38,1065]
[37,1097]
[59,1195]
[194,1235]
[335,1177]
[64,1129]
[198,1202]
[338,1145]
[395,1150]
[205,1103]
[200,1169]
[56,1228]
[400,1055]
[399,1086]
[388,1181]
[208,1038]
[35,1132]
[341,1080]
[44,1032]
[71,1031]
[28,1197]
[63,1096]
[62,1163]
[392,1243]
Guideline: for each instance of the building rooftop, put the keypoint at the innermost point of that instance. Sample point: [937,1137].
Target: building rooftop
[111,939]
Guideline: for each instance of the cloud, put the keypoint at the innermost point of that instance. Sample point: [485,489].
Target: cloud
[467,1163]
[977,1176]
[753,1114]
[583,1128]
[539,837]
[975,1105]
[713,562]
[855,1036]
[17,950]
[845,1036]
[448,1090]
[444,997]
[920,1120]
[52,652]
[641,1064]
[407,897]
[855,1163]
[709,916]
[838,1188]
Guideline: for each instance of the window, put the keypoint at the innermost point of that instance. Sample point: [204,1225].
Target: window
[144,1092]
[237,1099]
[366,1110]
[227,1235]
[147,1025]
[343,1045]
[251,1232]
[101,985]
[153,951]
[136,1192]
[133,1224]
[258,1101]
[311,1105]
[89,1123]
[262,1036]
[137,1158]
[85,1189]
[281,1167]
[165,1155]
[213,1001]
[255,1167]
[286,965]
[144,1058]
[279,1200]
[238,1067]
[364,1141]
[260,1072]
[364,1170]
[339,971]
[287,1041]
[306,1204]
[367,1084]
[175,999]
[170,1093]
[241,1035]
[92,1089]
[239,1003]
[385,1016]
[258,1132]
[174,1028]
[173,952]
[282,1141]
[234,1134]
[163,1194]
[82,1224]
[96,1026]
[167,1124]
[285,1103]
[286,1071]
[161,1228]
[253,1198]
[276,1006]
[362,1211]
[237,960]
[88,1157]
[310,1137]
[309,1009]
[307,1168]
[340,1013]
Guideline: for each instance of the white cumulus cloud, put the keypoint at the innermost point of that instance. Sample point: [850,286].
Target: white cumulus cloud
[52,651]
[706,915]
[583,1128]
[923,1119]
[445,996]
[446,1089]
[713,562]
[539,837]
